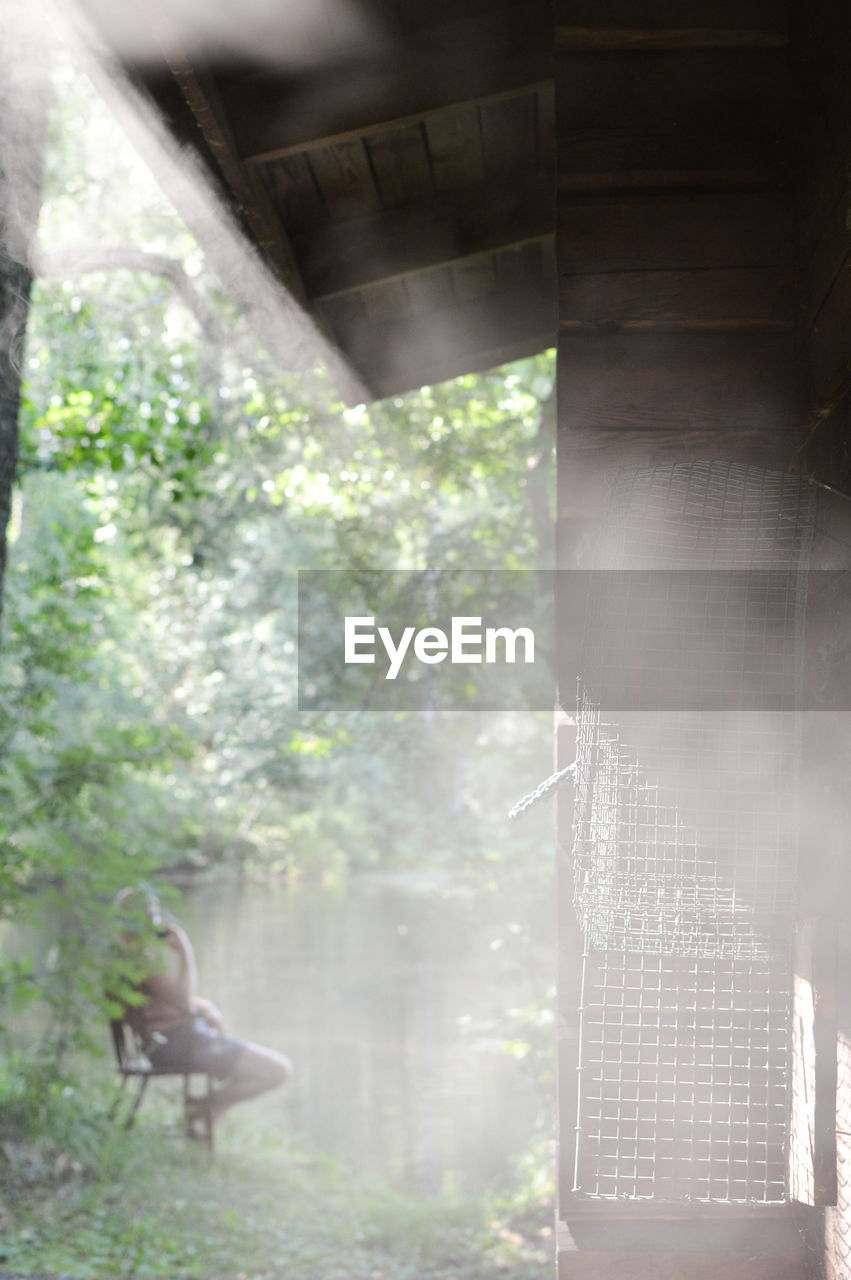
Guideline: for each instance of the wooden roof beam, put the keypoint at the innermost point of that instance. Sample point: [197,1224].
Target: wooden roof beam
[460,361]
[398,354]
[202,98]
[495,55]
[393,243]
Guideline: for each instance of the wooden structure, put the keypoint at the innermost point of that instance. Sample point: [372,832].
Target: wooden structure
[426,178]
[702,243]
[394,164]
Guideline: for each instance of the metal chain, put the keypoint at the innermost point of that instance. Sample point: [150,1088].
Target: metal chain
[543,790]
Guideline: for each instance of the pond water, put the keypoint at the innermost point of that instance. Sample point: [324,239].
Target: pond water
[393,998]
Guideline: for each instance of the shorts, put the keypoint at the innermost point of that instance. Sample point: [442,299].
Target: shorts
[195,1046]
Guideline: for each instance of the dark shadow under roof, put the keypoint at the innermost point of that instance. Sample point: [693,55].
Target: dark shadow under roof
[393,162]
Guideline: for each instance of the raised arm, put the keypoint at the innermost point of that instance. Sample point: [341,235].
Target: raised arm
[187,978]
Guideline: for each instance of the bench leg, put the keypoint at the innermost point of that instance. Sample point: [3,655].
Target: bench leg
[117,1100]
[137,1102]
[202,1116]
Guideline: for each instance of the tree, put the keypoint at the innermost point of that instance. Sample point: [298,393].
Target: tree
[23,96]
[172,479]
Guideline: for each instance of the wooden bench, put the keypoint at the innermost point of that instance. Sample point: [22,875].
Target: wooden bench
[133,1064]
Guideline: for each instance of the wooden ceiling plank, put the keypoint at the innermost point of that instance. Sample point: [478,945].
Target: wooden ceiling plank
[419,15]
[486,58]
[455,148]
[474,277]
[247,190]
[402,347]
[294,193]
[508,134]
[358,252]
[345,179]
[311,139]
[546,129]
[401,166]
[386,301]
[463,359]
[430,290]
[518,265]
[343,313]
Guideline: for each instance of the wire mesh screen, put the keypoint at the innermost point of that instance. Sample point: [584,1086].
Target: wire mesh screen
[684,1078]
[707,515]
[676,849]
[685,846]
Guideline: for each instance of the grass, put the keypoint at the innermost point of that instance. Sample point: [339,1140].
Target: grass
[104,1205]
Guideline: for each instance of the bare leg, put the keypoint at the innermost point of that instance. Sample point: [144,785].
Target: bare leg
[255,1071]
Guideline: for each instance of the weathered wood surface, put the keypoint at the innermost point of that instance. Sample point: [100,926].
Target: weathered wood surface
[466,357]
[345,180]
[497,53]
[826,250]
[432,232]
[824,70]
[509,134]
[678,384]
[687,111]
[675,1266]
[473,335]
[696,230]
[595,39]
[400,164]
[454,143]
[829,343]
[388,301]
[601,1227]
[293,192]
[748,15]
[248,190]
[758,298]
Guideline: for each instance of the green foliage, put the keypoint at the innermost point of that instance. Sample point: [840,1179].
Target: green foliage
[72,740]
[148,1206]
[172,482]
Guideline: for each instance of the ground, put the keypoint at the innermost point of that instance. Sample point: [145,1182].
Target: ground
[149,1205]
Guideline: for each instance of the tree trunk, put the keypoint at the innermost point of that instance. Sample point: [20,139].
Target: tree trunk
[23,97]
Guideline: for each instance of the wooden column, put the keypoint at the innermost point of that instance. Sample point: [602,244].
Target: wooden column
[677,285]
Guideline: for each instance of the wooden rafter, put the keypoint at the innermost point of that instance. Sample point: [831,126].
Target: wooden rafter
[394,243]
[500,54]
[202,97]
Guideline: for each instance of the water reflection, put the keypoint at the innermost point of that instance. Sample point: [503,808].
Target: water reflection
[380,992]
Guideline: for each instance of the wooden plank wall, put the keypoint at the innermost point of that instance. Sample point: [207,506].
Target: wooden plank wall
[675,235]
[677,293]
[821,47]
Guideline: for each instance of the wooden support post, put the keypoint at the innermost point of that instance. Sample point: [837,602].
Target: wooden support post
[676,284]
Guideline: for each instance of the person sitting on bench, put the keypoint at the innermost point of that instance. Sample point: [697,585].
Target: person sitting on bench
[183,1032]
